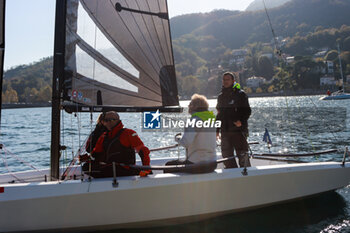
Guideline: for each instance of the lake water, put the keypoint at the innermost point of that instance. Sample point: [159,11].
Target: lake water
[296,125]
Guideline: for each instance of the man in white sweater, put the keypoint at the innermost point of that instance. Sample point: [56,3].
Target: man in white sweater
[200,142]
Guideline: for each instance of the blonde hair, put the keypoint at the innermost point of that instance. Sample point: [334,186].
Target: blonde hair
[199,103]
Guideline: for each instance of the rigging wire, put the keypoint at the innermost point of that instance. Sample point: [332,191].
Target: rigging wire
[4,159]
[7,152]
[279,53]
[278,49]
[63,140]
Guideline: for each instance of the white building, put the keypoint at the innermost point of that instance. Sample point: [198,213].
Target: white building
[268,55]
[289,60]
[255,82]
[238,56]
[321,53]
[330,67]
[327,81]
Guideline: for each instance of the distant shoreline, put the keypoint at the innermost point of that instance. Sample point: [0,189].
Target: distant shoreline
[251,95]
[25,105]
[279,94]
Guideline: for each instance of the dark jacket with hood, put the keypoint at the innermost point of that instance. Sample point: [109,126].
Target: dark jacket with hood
[232,106]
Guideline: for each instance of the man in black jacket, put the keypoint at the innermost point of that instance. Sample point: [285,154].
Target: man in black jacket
[233,111]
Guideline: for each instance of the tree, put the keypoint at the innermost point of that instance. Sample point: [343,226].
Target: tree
[10,96]
[331,55]
[190,85]
[44,94]
[346,44]
[259,90]
[248,90]
[271,89]
[265,67]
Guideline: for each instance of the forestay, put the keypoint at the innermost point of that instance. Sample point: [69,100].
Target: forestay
[119,58]
[2,44]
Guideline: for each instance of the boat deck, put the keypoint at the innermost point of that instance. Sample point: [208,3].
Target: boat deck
[75,172]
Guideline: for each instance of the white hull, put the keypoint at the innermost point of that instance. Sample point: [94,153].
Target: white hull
[162,198]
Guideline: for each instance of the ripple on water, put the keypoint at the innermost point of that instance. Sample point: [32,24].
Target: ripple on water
[301,127]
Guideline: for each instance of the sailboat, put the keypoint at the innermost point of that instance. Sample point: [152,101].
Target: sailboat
[341,94]
[130,68]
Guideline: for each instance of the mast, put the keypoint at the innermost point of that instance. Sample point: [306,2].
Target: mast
[2,47]
[57,77]
[341,68]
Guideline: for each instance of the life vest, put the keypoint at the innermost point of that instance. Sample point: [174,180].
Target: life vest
[204,115]
[116,152]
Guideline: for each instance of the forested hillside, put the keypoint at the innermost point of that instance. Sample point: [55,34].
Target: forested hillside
[28,83]
[205,46]
[306,27]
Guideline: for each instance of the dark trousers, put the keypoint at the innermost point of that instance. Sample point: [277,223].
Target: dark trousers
[202,168]
[237,141]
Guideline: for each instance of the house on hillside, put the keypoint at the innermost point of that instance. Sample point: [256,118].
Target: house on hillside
[268,55]
[327,81]
[321,53]
[238,56]
[255,82]
[290,59]
[329,67]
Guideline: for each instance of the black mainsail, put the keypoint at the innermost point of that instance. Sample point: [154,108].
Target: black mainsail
[111,55]
[121,58]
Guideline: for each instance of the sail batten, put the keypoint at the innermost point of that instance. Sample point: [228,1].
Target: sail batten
[110,65]
[118,54]
[120,48]
[96,84]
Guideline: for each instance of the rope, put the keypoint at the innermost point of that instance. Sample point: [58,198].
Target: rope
[278,50]
[323,119]
[63,138]
[22,161]
[8,169]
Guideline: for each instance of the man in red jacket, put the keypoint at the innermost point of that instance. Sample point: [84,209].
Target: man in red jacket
[118,145]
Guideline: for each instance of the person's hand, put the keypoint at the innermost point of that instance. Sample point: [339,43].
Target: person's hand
[145,173]
[218,136]
[178,137]
[84,157]
[238,123]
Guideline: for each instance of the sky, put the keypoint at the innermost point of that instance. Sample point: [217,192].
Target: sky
[29,25]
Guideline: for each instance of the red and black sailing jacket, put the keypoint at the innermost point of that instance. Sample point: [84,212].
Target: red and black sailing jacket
[119,145]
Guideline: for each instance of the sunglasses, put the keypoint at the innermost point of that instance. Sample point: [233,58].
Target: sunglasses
[109,119]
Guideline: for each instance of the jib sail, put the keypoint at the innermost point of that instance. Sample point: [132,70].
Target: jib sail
[119,53]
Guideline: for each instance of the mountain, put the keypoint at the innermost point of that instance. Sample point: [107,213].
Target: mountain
[236,29]
[184,24]
[28,83]
[259,4]
[203,45]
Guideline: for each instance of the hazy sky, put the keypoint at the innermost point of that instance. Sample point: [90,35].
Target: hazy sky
[30,25]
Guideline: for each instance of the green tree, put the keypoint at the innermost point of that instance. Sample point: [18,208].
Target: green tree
[44,94]
[265,67]
[331,55]
[190,85]
[10,96]
[346,44]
